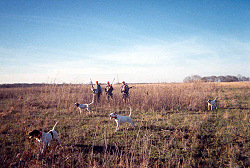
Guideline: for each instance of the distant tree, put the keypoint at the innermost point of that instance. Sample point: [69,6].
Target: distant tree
[193,78]
[242,78]
[230,78]
[239,77]
[196,78]
[204,79]
[245,78]
[187,79]
[222,78]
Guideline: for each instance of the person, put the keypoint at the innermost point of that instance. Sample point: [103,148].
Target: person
[97,92]
[109,89]
[125,91]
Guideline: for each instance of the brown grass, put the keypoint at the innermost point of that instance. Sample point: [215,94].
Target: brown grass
[173,126]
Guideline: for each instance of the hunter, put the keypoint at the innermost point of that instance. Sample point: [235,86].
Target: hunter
[109,89]
[97,92]
[125,91]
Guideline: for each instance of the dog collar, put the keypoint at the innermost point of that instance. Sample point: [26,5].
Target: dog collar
[115,117]
[39,136]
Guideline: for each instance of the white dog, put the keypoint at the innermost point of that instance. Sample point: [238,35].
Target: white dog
[83,106]
[44,138]
[212,103]
[121,119]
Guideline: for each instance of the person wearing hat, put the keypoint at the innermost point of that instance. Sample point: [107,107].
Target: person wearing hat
[97,91]
[125,91]
[109,89]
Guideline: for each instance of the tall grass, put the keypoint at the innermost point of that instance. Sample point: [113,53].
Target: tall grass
[173,126]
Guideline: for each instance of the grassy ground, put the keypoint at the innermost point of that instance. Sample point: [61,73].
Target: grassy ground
[173,126]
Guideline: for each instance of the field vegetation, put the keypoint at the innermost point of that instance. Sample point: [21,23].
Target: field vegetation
[173,126]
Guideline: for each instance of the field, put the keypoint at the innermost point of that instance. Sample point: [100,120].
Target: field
[173,126]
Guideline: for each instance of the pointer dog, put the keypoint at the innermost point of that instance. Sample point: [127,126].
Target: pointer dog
[83,106]
[212,103]
[122,119]
[44,138]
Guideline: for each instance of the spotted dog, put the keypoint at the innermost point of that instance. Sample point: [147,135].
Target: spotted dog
[121,119]
[43,138]
[84,106]
[211,104]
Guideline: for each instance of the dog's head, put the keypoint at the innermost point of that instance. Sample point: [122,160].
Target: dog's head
[77,104]
[112,115]
[35,134]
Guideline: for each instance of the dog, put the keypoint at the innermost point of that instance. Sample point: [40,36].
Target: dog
[211,104]
[121,119]
[83,106]
[44,138]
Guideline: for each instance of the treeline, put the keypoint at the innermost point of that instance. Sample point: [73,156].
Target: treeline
[25,85]
[18,85]
[227,78]
[188,79]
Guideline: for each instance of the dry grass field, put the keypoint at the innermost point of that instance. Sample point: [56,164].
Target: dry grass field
[173,126]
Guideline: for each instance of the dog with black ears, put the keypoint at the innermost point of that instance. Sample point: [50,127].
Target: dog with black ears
[211,104]
[84,106]
[43,138]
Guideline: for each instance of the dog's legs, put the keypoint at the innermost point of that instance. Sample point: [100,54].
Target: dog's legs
[117,126]
[59,142]
[132,124]
[210,107]
[89,109]
[57,139]
[42,147]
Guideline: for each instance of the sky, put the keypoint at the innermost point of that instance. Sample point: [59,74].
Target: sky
[59,41]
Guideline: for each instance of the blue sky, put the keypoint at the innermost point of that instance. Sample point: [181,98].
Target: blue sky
[138,41]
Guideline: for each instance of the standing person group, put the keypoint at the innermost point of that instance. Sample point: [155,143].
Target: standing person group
[97,92]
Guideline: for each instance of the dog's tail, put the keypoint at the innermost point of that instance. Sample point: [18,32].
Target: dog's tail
[130,111]
[91,102]
[215,98]
[54,126]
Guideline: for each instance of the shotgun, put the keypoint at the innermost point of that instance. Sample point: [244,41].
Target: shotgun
[92,85]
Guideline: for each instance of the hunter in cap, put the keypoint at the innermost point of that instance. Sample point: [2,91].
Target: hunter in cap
[109,89]
[125,92]
[97,92]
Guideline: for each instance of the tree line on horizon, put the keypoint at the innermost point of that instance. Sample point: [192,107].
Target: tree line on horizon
[227,78]
[188,79]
